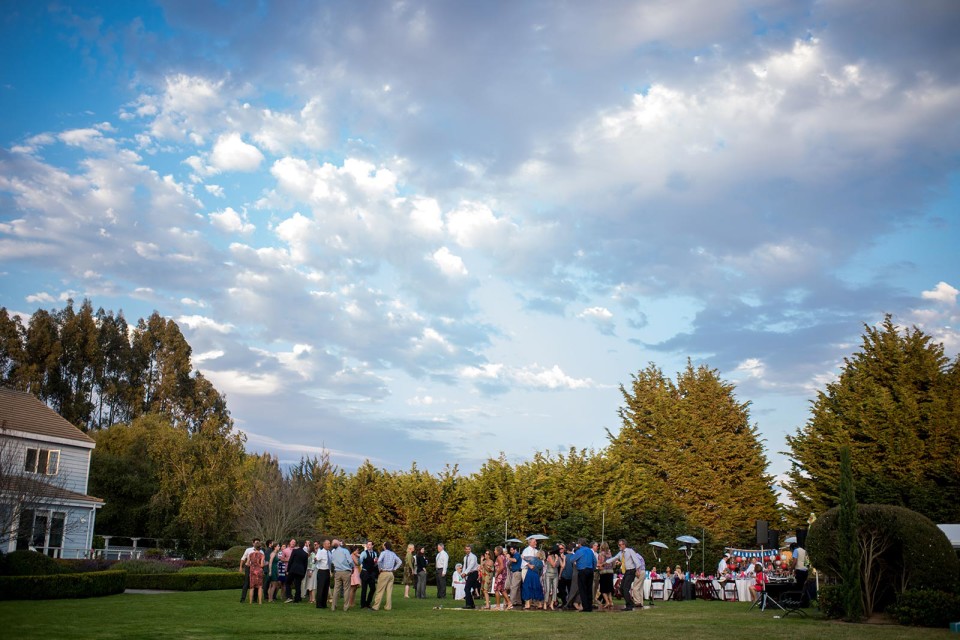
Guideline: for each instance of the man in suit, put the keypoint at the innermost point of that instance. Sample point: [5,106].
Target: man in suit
[296,570]
[369,572]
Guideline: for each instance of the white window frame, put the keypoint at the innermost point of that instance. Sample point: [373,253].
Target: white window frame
[51,455]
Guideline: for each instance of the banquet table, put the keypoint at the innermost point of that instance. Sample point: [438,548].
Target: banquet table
[667,589]
[743,589]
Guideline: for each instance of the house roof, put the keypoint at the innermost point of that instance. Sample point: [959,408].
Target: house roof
[20,411]
[44,492]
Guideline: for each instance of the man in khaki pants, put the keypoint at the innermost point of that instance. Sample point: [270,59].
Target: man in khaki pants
[389,562]
[342,570]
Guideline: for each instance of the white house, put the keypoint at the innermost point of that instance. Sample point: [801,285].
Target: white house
[44,466]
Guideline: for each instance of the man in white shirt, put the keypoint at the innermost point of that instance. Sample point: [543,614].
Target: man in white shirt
[443,559]
[470,569]
[245,568]
[630,562]
[800,566]
[324,564]
[722,565]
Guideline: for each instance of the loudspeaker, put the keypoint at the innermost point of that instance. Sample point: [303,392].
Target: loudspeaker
[773,539]
[802,538]
[761,532]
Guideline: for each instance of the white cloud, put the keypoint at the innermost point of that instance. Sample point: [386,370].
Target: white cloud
[229,221]
[214,190]
[42,297]
[199,323]
[473,224]
[449,264]
[943,293]
[231,153]
[532,377]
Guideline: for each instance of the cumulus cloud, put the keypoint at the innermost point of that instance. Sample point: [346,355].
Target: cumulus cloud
[448,263]
[943,293]
[231,153]
[229,221]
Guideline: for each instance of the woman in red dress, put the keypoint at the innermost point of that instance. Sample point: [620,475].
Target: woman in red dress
[500,578]
[255,562]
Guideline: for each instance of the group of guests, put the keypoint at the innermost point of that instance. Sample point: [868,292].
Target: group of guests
[562,577]
[323,573]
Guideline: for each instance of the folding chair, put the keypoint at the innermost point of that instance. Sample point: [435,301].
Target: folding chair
[793,601]
[677,593]
[730,591]
[656,589]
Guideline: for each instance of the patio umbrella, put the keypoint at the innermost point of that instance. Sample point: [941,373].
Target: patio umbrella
[538,536]
[512,540]
[687,539]
[790,540]
[656,544]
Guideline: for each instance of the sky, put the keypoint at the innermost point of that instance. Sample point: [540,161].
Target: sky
[431,232]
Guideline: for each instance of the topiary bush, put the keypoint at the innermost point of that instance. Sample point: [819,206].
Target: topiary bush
[830,601]
[145,567]
[28,563]
[925,608]
[68,585]
[908,552]
[84,565]
[186,581]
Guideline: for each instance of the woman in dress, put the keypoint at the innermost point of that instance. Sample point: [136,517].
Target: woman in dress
[678,582]
[459,583]
[409,570]
[761,579]
[255,562]
[606,576]
[532,588]
[500,578]
[311,579]
[421,559]
[551,573]
[274,567]
[486,581]
[354,577]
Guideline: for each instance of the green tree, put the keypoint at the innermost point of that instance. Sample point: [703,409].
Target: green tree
[895,406]
[11,348]
[685,443]
[850,551]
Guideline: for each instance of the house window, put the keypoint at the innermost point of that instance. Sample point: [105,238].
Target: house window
[45,461]
[41,529]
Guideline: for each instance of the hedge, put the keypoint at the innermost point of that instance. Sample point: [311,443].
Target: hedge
[926,608]
[67,585]
[186,581]
[146,566]
[29,563]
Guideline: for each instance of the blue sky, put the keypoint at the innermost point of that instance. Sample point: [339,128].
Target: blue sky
[434,231]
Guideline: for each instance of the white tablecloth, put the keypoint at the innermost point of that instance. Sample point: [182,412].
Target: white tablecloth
[743,589]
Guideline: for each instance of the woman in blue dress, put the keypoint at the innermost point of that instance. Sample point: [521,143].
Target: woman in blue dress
[532,586]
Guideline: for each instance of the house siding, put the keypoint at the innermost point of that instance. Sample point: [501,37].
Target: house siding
[74,463]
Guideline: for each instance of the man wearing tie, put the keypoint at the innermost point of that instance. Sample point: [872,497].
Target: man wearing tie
[632,565]
[470,568]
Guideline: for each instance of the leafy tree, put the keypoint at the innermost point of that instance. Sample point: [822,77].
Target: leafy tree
[685,443]
[850,550]
[11,347]
[895,405]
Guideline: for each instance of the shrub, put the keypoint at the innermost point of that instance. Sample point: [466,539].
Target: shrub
[202,570]
[85,565]
[68,585]
[28,563]
[910,552]
[145,567]
[830,601]
[186,581]
[154,554]
[926,608]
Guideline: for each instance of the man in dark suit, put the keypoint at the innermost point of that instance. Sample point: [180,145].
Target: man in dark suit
[296,570]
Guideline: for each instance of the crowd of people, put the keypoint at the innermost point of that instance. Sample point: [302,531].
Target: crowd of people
[580,576]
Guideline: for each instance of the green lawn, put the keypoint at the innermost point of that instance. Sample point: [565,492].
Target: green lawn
[218,614]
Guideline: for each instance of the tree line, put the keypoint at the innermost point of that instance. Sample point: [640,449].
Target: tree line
[685,460]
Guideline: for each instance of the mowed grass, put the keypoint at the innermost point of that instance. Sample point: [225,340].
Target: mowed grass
[218,614]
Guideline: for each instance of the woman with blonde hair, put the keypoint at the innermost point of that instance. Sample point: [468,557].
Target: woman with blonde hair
[409,570]
[606,576]
[486,583]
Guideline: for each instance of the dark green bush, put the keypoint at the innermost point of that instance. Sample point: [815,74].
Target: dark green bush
[830,601]
[145,566]
[918,555]
[85,565]
[28,563]
[229,560]
[926,608]
[186,581]
[68,585]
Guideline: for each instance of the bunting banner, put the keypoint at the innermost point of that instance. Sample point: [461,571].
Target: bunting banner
[754,553]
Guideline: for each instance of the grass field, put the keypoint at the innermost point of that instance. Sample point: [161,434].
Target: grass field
[218,614]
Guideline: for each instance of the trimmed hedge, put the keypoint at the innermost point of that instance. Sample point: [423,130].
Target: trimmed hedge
[146,566]
[923,608]
[830,601]
[205,570]
[28,563]
[186,581]
[67,585]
